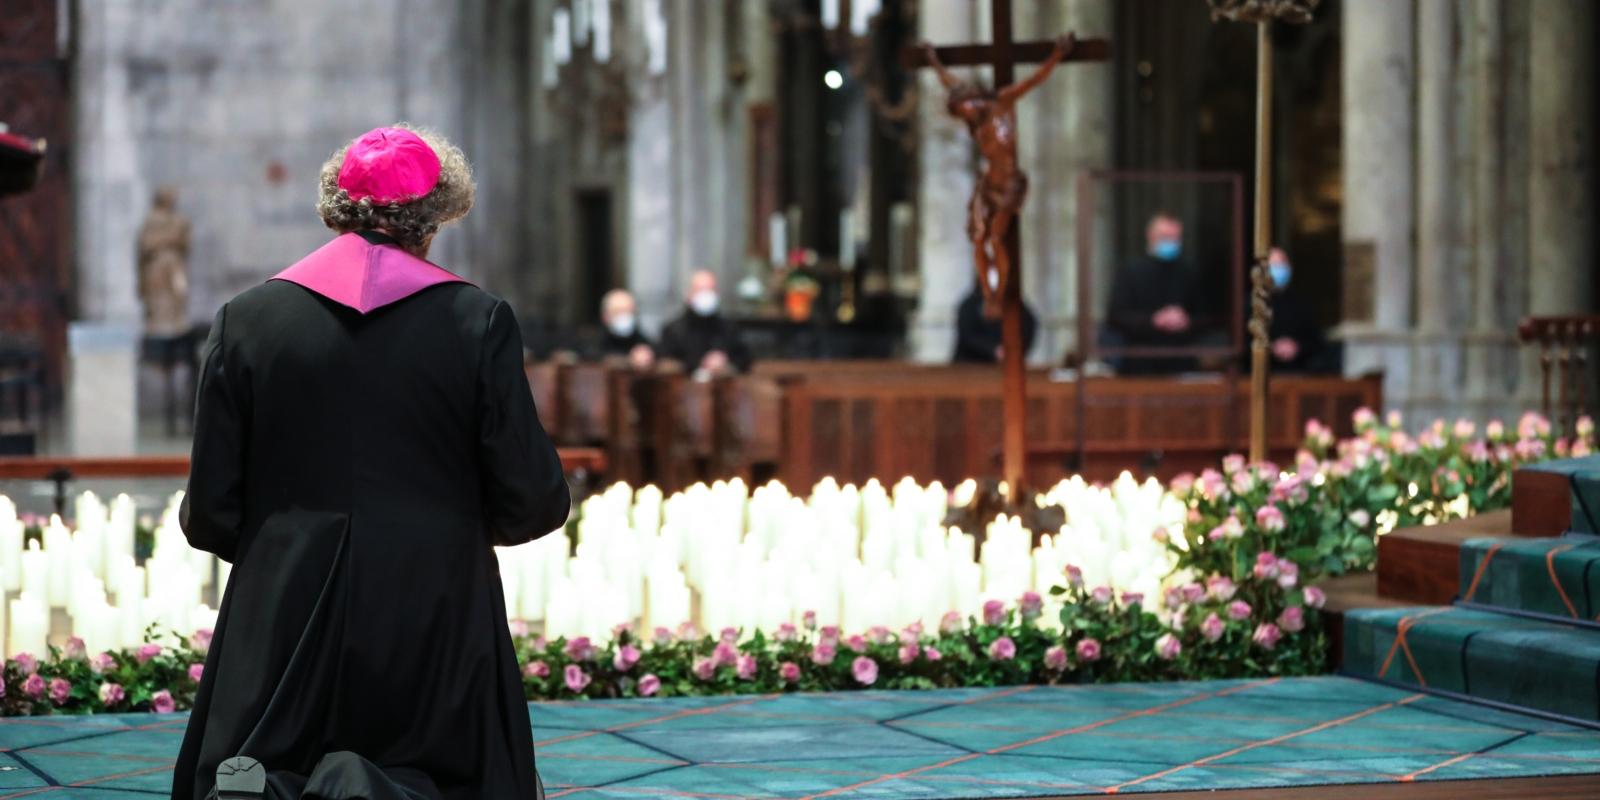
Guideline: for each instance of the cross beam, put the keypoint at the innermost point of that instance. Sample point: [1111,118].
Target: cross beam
[1004,54]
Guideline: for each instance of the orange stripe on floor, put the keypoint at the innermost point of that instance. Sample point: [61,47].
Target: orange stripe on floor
[1441,765]
[1550,564]
[1483,565]
[1400,643]
[1200,762]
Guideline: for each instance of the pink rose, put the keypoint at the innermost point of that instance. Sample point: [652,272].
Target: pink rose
[1055,658]
[75,649]
[789,672]
[724,655]
[1074,576]
[34,686]
[196,671]
[1101,595]
[649,685]
[687,631]
[1292,620]
[1003,649]
[1270,518]
[746,668]
[881,635]
[1160,534]
[730,635]
[994,612]
[147,652]
[1212,485]
[1211,628]
[627,655]
[829,633]
[786,633]
[704,668]
[1243,481]
[1314,596]
[951,622]
[60,690]
[1132,598]
[865,670]
[518,628]
[1221,589]
[1231,528]
[1232,463]
[1182,483]
[162,703]
[1266,567]
[1031,605]
[1193,593]
[1174,597]
[200,640]
[912,634]
[1238,610]
[537,669]
[580,649]
[932,653]
[909,653]
[1089,650]
[1464,429]
[662,635]
[1168,647]
[1267,635]
[539,643]
[809,619]
[822,655]
[618,630]
[857,643]
[111,694]
[1288,574]
[104,662]
[576,679]
[26,662]
[1495,429]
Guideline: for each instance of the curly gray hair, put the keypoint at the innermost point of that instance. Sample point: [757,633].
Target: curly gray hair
[412,224]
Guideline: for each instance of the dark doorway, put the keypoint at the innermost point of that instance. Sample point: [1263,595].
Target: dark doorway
[597,273]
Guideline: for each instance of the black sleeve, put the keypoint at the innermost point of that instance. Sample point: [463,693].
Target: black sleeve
[212,511]
[1124,312]
[736,351]
[524,490]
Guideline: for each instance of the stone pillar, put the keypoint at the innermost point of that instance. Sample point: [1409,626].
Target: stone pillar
[652,225]
[1436,359]
[1561,196]
[1378,216]
[947,162]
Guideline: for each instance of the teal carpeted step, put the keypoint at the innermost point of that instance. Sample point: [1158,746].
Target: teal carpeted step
[1584,476]
[1559,576]
[1544,666]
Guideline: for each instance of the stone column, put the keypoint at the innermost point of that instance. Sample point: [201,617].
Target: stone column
[1561,196]
[1379,159]
[652,225]
[1435,361]
[946,162]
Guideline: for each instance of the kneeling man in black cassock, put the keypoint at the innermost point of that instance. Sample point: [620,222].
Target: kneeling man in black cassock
[364,437]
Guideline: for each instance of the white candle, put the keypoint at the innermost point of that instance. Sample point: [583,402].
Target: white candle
[11,537]
[30,626]
[602,31]
[561,36]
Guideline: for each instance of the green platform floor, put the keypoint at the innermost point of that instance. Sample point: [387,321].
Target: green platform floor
[964,743]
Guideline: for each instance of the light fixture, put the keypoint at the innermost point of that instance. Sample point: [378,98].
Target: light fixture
[834,79]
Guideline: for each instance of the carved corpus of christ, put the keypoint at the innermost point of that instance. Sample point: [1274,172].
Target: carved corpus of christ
[1002,187]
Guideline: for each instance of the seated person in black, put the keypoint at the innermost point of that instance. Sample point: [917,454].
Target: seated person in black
[621,336]
[978,338]
[1297,341]
[704,341]
[1155,302]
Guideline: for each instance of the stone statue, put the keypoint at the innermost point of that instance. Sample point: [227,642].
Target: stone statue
[991,117]
[164,266]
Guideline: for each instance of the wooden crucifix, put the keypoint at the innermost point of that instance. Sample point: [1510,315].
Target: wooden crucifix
[990,115]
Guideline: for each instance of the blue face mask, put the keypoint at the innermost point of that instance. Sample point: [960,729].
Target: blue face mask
[1280,273]
[1167,249]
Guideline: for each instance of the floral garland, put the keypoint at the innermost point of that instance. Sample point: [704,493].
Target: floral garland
[1237,605]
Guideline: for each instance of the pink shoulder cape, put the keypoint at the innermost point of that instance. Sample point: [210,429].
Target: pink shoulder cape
[354,272]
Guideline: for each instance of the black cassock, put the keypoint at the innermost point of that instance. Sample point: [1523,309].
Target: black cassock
[357,469]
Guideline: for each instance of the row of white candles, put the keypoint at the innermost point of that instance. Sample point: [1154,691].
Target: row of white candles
[90,573]
[856,557]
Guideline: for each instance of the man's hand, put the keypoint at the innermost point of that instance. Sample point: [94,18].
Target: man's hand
[1285,349]
[1171,319]
[714,361]
[641,357]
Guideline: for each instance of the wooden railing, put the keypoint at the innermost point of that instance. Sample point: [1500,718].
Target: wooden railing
[1566,351]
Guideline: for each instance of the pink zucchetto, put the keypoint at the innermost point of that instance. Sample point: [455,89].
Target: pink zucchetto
[389,166]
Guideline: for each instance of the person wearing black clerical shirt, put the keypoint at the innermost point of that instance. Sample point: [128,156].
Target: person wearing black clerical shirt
[621,336]
[978,338]
[364,439]
[1297,341]
[1155,302]
[702,340]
